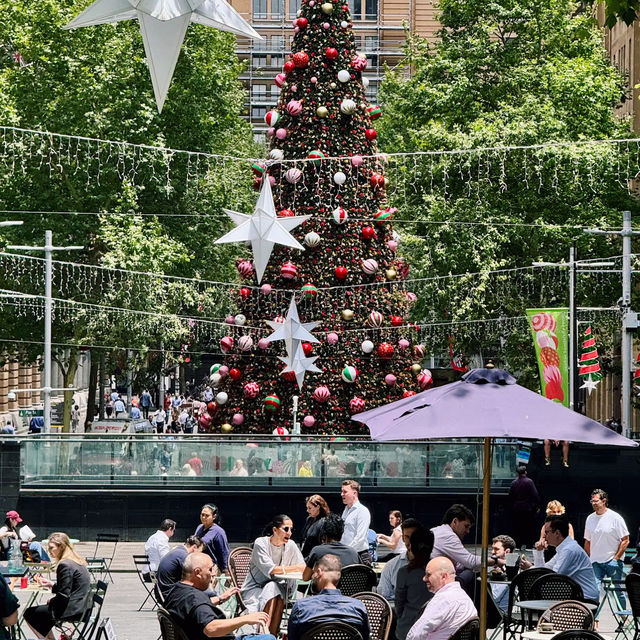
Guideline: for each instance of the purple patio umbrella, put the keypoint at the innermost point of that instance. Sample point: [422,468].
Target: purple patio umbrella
[486,403]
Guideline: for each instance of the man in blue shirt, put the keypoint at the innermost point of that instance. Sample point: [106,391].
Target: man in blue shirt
[329,605]
[570,559]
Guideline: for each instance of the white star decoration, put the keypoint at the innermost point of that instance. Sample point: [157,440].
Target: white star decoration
[263,229]
[590,384]
[292,331]
[163,25]
[300,364]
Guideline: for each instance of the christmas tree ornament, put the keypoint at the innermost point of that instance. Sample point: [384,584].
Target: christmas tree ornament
[163,26]
[307,348]
[265,289]
[383,215]
[344,75]
[370,134]
[301,59]
[349,374]
[276,154]
[589,365]
[390,380]
[356,405]
[300,364]
[365,82]
[339,178]
[331,53]
[396,321]
[245,293]
[369,266]
[259,168]
[226,344]
[235,374]
[224,371]
[293,176]
[341,273]
[357,160]
[332,338]
[332,85]
[281,133]
[419,351]
[230,320]
[359,63]
[263,229]
[272,403]
[263,343]
[215,379]
[214,368]
[309,291]
[251,390]
[392,244]
[376,180]
[344,24]
[339,215]
[205,421]
[416,368]
[375,319]
[322,112]
[347,106]
[285,213]
[369,233]
[312,239]
[240,320]
[347,315]
[403,344]
[308,421]
[245,343]
[326,25]
[294,107]
[386,350]
[289,376]
[279,320]
[237,419]
[222,398]
[288,271]
[321,394]
[408,394]
[327,7]
[314,80]
[292,331]
[367,346]
[316,156]
[374,111]
[425,379]
[212,407]
[390,274]
[301,22]
[245,268]
[226,428]
[280,79]
[289,66]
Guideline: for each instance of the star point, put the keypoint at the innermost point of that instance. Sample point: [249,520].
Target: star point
[590,384]
[300,364]
[292,331]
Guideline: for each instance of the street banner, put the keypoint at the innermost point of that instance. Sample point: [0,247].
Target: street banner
[550,331]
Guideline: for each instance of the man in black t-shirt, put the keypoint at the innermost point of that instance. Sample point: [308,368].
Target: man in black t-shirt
[170,568]
[331,531]
[197,616]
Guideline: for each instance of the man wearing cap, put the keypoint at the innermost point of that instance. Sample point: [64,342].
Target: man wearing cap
[11,531]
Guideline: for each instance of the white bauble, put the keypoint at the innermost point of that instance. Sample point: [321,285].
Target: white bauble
[222,398]
[215,379]
[276,154]
[347,106]
[367,346]
[344,75]
[339,178]
[240,320]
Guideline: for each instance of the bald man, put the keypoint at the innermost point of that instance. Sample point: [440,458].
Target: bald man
[198,617]
[449,608]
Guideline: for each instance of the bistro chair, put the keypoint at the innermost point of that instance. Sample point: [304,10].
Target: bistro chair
[379,613]
[170,629]
[101,560]
[514,622]
[331,631]
[567,615]
[470,630]
[555,586]
[578,634]
[141,563]
[239,562]
[356,578]
[85,628]
[632,583]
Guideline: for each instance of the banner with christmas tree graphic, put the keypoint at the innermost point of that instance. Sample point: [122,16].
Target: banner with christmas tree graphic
[589,364]
[550,330]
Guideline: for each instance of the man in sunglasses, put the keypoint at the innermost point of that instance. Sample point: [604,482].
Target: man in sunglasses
[357,520]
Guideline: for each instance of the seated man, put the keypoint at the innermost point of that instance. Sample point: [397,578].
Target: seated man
[157,546]
[8,610]
[450,607]
[170,568]
[197,616]
[570,559]
[329,605]
[387,582]
[500,547]
[331,531]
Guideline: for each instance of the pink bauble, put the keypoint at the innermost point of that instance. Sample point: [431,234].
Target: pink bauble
[288,271]
[410,296]
[293,175]
[332,338]
[281,134]
[237,419]
[390,379]
[226,344]
[294,107]
[356,405]
[356,161]
[425,379]
[312,3]
[294,87]
[230,319]
[265,289]
[245,343]
[280,319]
[251,390]
[313,81]
[280,79]
[392,244]
[403,344]
[296,29]
[321,394]
[263,343]
[419,350]
[326,25]
[223,371]
[272,181]
[245,268]
[309,421]
[270,132]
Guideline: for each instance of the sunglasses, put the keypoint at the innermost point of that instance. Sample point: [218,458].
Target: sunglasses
[286,529]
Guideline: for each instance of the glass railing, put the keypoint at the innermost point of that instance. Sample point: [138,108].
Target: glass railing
[141,460]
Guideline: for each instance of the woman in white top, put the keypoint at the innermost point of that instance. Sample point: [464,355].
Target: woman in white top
[394,541]
[273,555]
[14,530]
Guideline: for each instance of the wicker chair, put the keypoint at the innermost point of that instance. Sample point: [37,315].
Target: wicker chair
[555,586]
[519,590]
[239,562]
[168,627]
[329,631]
[632,583]
[470,630]
[578,634]
[356,578]
[379,613]
[568,615]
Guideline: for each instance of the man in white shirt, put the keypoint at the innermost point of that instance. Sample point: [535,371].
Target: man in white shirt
[448,610]
[157,545]
[605,539]
[500,547]
[356,520]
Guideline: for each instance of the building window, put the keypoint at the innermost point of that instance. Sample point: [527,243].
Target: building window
[259,91]
[259,61]
[355,7]
[371,9]
[371,43]
[258,113]
[277,43]
[260,9]
[294,7]
[277,8]
[277,61]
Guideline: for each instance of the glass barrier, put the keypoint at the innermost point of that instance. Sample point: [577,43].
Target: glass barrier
[181,461]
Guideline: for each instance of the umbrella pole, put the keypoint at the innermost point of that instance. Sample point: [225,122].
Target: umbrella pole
[486,493]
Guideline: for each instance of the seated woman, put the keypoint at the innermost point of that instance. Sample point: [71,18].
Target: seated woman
[70,590]
[393,541]
[14,529]
[554,508]
[274,554]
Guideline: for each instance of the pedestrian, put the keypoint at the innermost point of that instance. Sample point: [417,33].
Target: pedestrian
[357,519]
[75,418]
[159,419]
[145,403]
[525,503]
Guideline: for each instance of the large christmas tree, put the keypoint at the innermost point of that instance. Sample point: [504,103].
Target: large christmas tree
[323,164]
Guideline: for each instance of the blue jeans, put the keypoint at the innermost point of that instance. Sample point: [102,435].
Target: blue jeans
[256,636]
[613,570]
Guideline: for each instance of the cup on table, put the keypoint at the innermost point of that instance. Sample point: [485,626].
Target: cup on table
[24,582]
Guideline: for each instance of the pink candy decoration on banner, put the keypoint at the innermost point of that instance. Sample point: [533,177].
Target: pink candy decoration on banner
[332,338]
[263,343]
[226,344]
[390,379]
[543,321]
[309,421]
[403,344]
[237,419]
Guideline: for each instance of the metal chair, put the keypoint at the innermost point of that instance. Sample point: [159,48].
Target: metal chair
[632,582]
[567,615]
[169,628]
[555,586]
[85,628]
[519,590]
[329,631]
[141,563]
[379,613]
[356,578]
[103,561]
[470,630]
[578,634]
[238,563]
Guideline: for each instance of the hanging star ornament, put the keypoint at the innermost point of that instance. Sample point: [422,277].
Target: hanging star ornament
[263,229]
[590,384]
[292,331]
[300,364]
[163,25]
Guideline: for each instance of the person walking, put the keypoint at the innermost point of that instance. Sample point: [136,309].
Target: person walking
[145,403]
[525,503]
[357,520]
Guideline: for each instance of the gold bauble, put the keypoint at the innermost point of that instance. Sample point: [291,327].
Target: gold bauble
[347,315]
[391,274]
[333,85]
[322,112]
[327,7]
[226,428]
[386,182]
[416,368]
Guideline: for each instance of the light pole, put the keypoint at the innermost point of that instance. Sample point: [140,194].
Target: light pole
[48,252]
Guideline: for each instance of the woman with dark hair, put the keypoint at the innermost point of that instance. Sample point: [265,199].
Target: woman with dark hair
[274,554]
[213,536]
[70,589]
[14,530]
[317,508]
[411,591]
[394,541]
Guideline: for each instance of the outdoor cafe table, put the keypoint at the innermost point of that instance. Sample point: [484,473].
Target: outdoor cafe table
[295,576]
[538,635]
[540,606]
[13,572]
[28,597]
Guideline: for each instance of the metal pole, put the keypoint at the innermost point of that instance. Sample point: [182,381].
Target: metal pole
[572,326]
[486,496]
[627,336]
[161,385]
[48,266]
[129,382]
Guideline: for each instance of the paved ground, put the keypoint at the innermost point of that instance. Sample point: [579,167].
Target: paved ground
[127,593]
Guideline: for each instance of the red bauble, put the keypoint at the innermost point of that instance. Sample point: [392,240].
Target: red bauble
[286,213]
[396,321]
[245,293]
[259,168]
[307,348]
[205,421]
[408,394]
[289,376]
[235,374]
[386,350]
[288,271]
[331,53]
[377,180]
[300,59]
[289,66]
[341,273]
[302,22]
[369,233]
[212,407]
[371,134]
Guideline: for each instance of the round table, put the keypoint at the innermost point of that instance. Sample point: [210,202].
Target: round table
[543,605]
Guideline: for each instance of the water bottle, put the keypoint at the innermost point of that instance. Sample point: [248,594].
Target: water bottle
[15,555]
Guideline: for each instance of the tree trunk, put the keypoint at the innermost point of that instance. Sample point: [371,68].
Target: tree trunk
[93,384]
